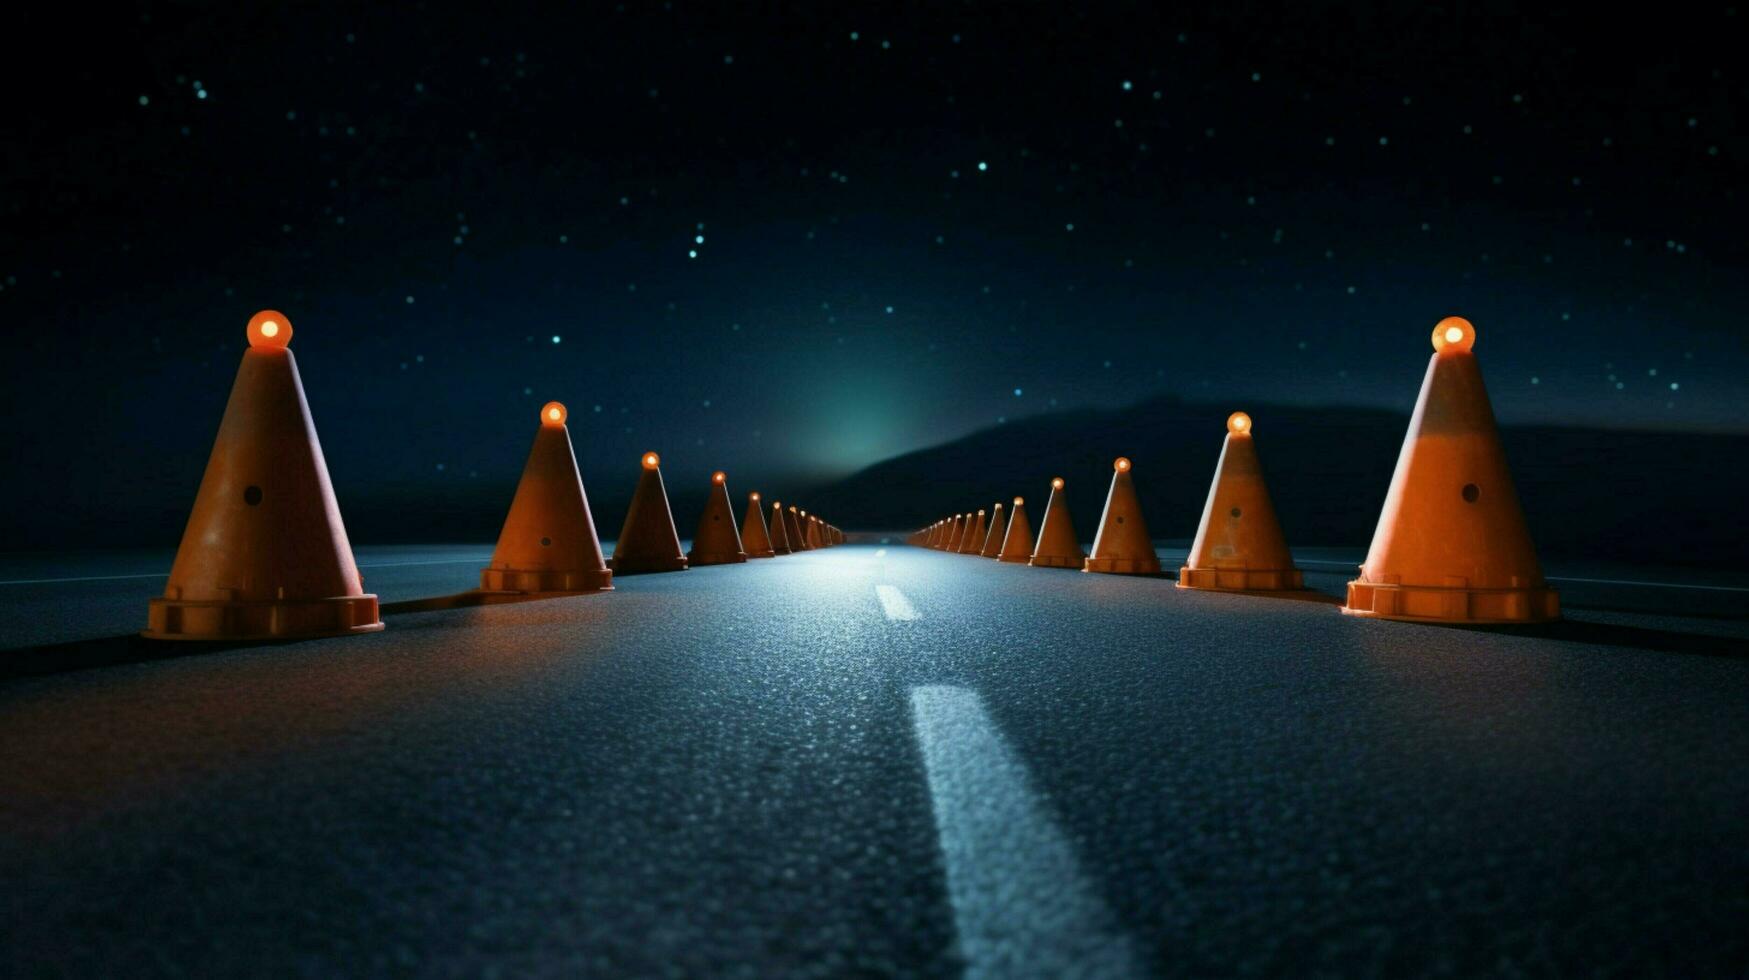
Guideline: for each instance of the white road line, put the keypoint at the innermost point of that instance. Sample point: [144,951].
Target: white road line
[894,604]
[1021,904]
[166,572]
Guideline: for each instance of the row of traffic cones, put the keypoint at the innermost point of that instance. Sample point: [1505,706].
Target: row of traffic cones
[265,553]
[1451,543]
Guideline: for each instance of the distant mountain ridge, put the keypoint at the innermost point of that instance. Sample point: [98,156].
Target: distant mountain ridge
[1661,497]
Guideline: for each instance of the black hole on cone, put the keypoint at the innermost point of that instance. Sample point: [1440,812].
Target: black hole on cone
[1234,512]
[252,495]
[1471,492]
[546,542]
[1120,520]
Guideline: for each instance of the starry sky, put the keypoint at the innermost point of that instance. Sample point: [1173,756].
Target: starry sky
[792,240]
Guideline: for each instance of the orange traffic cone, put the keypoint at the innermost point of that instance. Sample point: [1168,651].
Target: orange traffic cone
[973,540]
[717,542]
[933,538]
[815,539]
[779,534]
[793,525]
[1451,544]
[956,534]
[1122,546]
[1058,546]
[755,536]
[264,555]
[993,540]
[548,543]
[648,542]
[1017,540]
[1239,546]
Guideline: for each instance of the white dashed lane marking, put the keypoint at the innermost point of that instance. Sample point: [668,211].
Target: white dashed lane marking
[1022,905]
[894,604]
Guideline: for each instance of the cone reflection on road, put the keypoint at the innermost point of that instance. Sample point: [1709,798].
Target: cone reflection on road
[717,541]
[647,541]
[1122,545]
[1239,546]
[265,553]
[1017,539]
[1058,546]
[755,536]
[548,542]
[1451,544]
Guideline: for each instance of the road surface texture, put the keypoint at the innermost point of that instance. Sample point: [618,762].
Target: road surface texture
[871,761]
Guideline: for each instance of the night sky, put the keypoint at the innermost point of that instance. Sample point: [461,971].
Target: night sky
[791,241]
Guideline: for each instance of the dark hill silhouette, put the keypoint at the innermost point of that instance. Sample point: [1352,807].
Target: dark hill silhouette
[1657,497]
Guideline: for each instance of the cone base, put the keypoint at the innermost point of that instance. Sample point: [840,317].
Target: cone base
[1241,579]
[267,619]
[514,580]
[761,554]
[1122,566]
[1452,604]
[1016,560]
[1055,561]
[647,566]
[696,559]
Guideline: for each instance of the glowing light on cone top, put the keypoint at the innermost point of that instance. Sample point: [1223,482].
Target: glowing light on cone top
[1056,483]
[1121,464]
[1239,424]
[1454,333]
[651,461]
[753,496]
[269,329]
[1018,501]
[553,413]
[980,513]
[719,476]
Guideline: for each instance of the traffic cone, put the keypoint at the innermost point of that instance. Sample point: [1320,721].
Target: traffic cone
[264,555]
[548,543]
[648,542]
[779,535]
[815,539]
[1017,539]
[1239,546]
[717,542]
[1451,544]
[973,540]
[1058,547]
[956,534]
[931,539]
[1122,546]
[993,539]
[755,536]
[793,526]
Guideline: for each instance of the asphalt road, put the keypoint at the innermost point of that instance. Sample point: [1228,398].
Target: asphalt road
[869,761]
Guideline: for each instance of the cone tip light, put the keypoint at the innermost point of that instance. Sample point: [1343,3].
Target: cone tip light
[1018,501]
[753,496]
[1239,423]
[1454,333]
[553,413]
[1056,483]
[269,329]
[719,476]
[1121,464]
[651,461]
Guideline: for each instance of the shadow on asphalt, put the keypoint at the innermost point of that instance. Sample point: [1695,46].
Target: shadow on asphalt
[132,648]
[1631,637]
